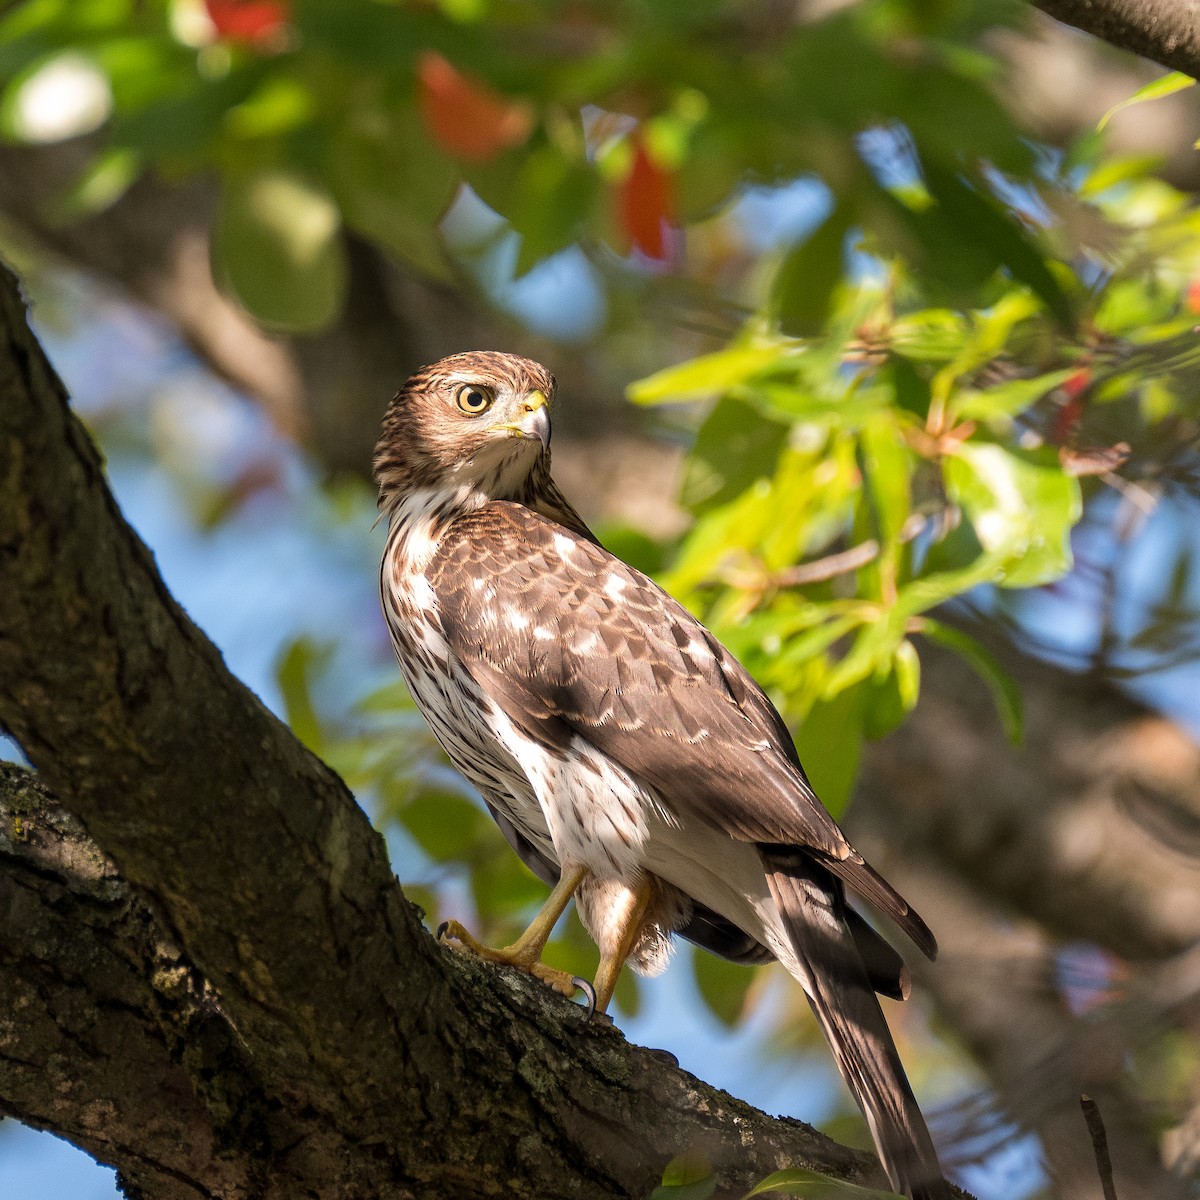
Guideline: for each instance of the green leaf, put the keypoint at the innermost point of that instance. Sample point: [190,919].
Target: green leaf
[804,285]
[977,218]
[1003,687]
[689,1176]
[102,184]
[931,335]
[278,247]
[551,205]
[909,387]
[814,1185]
[445,825]
[873,648]
[1008,399]
[388,698]
[735,447]
[501,885]
[723,985]
[1165,85]
[887,464]
[394,187]
[829,742]
[294,672]
[891,694]
[708,375]
[1022,506]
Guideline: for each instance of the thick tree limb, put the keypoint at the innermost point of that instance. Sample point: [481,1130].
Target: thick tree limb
[1091,826]
[383,1066]
[1087,831]
[1168,31]
[996,982]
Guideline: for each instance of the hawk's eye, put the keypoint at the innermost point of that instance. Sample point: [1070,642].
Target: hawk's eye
[474,398]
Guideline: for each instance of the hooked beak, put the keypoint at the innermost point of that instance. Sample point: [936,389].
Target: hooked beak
[534,421]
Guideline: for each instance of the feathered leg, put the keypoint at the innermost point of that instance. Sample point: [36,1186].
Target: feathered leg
[840,994]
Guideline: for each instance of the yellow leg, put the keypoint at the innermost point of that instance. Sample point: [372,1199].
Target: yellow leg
[526,952]
[611,964]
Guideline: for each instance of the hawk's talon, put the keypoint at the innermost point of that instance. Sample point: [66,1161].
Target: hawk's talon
[522,954]
[589,994]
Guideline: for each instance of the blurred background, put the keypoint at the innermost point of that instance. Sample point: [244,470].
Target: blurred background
[875,331]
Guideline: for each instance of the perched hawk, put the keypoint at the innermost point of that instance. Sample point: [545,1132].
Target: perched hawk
[628,758]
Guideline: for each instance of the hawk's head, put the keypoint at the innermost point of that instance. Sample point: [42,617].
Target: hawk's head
[477,420]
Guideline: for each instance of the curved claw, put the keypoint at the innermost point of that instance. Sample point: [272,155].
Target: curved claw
[589,994]
[441,930]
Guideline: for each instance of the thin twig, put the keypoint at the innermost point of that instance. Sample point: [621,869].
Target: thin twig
[1095,1124]
[828,567]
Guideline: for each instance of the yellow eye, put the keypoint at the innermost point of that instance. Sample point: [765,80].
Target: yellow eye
[474,398]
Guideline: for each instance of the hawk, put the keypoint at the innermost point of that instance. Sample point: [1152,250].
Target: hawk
[630,761]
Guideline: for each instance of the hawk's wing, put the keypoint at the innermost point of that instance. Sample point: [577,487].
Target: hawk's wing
[571,642]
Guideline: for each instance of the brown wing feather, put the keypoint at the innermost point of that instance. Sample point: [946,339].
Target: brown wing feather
[622,665]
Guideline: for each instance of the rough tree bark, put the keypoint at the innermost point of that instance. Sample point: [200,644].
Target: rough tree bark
[1168,31]
[240,942]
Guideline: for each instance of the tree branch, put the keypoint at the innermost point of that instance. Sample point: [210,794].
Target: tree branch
[1167,31]
[1090,826]
[383,1065]
[1086,831]
[996,982]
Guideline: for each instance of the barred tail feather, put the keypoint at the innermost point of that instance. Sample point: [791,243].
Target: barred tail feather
[829,967]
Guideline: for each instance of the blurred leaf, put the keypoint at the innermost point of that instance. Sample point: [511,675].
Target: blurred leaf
[646,202]
[1022,507]
[829,742]
[294,673]
[465,116]
[977,218]
[445,825]
[1000,683]
[804,284]
[722,985]
[103,183]
[633,546]
[703,376]
[388,698]
[500,883]
[252,21]
[628,994]
[1165,85]
[394,188]
[891,693]
[931,335]
[553,199]
[1007,399]
[278,247]
[887,464]
[813,1185]
[735,447]
[686,1177]
[909,386]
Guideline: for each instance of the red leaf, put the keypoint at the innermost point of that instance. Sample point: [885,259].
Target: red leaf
[646,204]
[1073,385]
[464,115]
[1067,419]
[1193,296]
[248,20]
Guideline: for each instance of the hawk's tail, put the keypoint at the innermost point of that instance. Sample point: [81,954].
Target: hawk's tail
[836,982]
